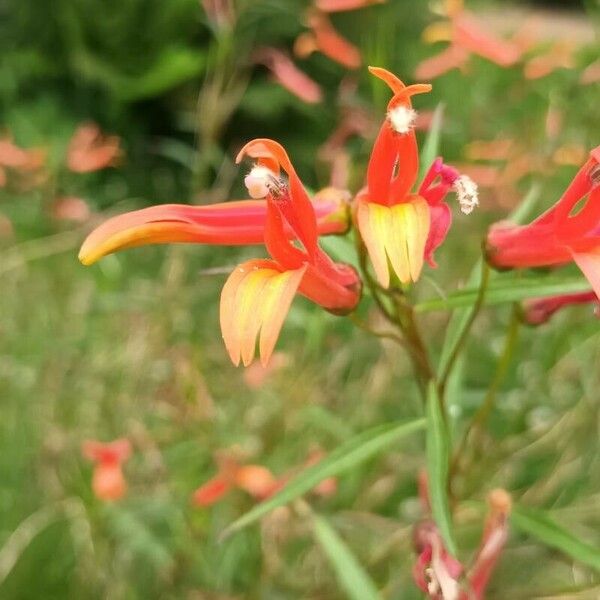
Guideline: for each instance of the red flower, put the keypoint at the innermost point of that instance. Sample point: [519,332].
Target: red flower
[564,233]
[342,5]
[108,481]
[398,227]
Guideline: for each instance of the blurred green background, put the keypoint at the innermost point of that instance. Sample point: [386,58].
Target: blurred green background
[131,346]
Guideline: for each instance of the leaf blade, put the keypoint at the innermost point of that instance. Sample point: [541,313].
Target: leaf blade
[350,574]
[438,461]
[539,524]
[349,454]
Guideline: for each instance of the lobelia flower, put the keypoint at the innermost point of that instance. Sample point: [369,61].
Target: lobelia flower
[108,481]
[399,228]
[537,311]
[466,37]
[236,223]
[567,232]
[437,573]
[255,480]
[257,295]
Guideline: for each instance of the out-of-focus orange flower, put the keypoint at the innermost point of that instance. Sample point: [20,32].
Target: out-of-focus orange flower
[591,74]
[89,150]
[324,38]
[466,36]
[108,481]
[2,178]
[343,5]
[559,56]
[21,159]
[255,480]
[287,74]
[71,208]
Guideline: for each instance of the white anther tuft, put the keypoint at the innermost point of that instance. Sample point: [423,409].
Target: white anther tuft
[466,191]
[259,181]
[402,118]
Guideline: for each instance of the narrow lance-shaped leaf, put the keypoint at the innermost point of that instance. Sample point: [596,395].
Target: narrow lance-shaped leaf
[504,292]
[431,146]
[438,460]
[539,524]
[345,457]
[352,577]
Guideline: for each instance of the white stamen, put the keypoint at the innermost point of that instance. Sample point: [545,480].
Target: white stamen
[260,181]
[402,118]
[466,191]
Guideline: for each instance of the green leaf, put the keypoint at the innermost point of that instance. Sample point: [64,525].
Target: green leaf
[506,291]
[431,146]
[345,457]
[438,460]
[352,577]
[538,524]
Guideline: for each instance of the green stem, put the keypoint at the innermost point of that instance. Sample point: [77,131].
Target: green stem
[464,334]
[480,418]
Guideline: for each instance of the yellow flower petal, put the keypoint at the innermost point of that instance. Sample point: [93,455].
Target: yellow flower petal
[395,236]
[255,300]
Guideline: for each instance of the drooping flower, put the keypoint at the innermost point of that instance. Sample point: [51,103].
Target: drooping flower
[567,232]
[401,229]
[257,295]
[466,36]
[537,311]
[108,481]
[236,223]
[89,150]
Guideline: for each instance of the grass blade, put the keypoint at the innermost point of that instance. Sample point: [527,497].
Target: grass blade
[504,292]
[431,146]
[438,460]
[346,456]
[352,577]
[538,524]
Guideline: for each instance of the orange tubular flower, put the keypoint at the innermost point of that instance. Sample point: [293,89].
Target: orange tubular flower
[401,229]
[237,223]
[258,294]
[108,481]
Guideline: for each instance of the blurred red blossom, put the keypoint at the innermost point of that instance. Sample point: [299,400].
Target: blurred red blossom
[71,208]
[343,5]
[108,481]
